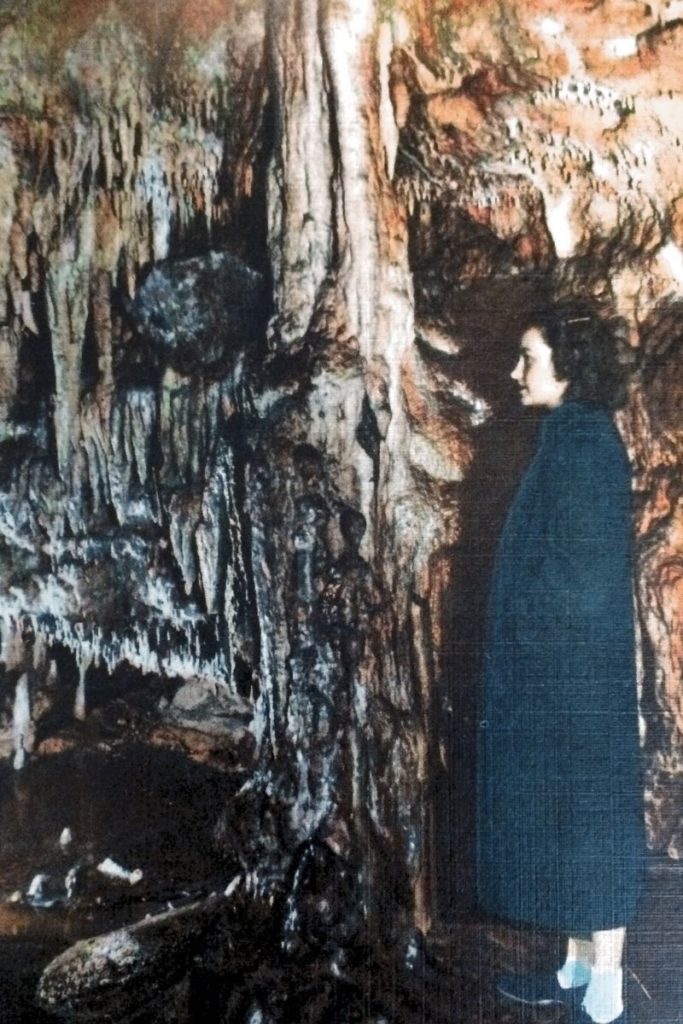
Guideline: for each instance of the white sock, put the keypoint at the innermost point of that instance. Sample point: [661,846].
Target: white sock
[603,999]
[573,973]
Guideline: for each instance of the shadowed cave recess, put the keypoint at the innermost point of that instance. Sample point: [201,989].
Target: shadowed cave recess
[264,267]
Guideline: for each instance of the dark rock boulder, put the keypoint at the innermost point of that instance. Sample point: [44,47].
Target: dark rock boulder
[200,312]
[119,975]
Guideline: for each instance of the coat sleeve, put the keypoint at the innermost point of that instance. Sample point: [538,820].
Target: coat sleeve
[580,564]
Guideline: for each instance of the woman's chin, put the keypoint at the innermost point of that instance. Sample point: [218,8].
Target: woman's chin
[534,402]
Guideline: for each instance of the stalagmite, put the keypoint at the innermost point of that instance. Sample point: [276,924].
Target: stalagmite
[23,732]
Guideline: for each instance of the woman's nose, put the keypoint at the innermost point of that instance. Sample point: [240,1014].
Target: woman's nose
[517,371]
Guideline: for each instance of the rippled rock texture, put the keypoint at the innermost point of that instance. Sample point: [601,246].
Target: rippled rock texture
[264,266]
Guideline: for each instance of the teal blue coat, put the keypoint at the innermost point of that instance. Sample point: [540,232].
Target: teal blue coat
[560,835]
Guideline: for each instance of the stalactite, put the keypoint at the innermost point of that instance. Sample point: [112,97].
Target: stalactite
[208,539]
[273,640]
[184,514]
[237,570]
[300,259]
[177,427]
[8,217]
[8,374]
[94,448]
[67,292]
[139,428]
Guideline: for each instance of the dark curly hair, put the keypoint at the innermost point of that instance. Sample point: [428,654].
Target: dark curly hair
[585,348]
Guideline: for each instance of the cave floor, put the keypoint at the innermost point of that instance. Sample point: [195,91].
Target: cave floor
[149,829]
[457,982]
[471,952]
[143,807]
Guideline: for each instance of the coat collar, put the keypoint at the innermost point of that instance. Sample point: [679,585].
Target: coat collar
[563,417]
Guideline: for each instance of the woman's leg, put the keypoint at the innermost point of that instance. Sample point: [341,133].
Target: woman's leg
[576,970]
[609,949]
[603,1001]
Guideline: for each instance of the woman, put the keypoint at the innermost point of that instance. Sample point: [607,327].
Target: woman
[560,822]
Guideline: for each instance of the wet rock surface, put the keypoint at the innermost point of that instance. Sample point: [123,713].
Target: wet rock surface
[120,975]
[302,955]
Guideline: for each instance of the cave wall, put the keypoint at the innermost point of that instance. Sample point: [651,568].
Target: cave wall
[278,509]
[121,148]
[540,144]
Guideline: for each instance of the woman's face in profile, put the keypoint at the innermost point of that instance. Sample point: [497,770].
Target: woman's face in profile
[535,372]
